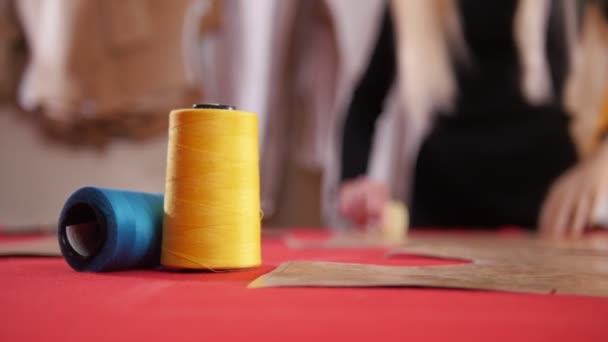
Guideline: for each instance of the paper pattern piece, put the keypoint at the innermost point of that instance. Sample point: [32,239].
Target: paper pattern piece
[28,229]
[513,264]
[46,246]
[348,239]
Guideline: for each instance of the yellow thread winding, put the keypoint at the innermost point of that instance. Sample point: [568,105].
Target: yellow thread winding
[212,196]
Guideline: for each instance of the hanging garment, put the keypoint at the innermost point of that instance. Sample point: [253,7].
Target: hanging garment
[318,48]
[109,64]
[12,51]
[118,65]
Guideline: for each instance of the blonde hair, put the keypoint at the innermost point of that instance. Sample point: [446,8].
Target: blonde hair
[429,37]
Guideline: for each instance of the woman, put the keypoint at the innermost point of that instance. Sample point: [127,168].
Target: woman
[498,136]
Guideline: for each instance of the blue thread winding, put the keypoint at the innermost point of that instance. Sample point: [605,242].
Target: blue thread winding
[127,229]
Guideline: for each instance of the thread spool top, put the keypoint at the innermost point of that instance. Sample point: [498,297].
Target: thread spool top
[213,106]
[82,233]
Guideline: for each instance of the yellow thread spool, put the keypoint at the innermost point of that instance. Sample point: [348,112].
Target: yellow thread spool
[212,196]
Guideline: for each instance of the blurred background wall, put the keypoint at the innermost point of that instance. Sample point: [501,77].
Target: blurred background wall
[86,87]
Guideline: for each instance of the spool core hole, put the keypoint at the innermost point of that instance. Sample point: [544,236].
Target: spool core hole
[82,231]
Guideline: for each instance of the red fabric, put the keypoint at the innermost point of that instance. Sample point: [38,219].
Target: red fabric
[42,299]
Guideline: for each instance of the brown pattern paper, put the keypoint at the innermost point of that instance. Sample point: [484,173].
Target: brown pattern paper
[345,240]
[47,246]
[513,264]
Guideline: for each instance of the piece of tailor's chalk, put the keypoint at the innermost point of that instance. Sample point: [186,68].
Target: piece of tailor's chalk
[395,221]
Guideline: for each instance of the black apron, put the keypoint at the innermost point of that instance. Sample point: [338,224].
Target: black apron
[491,160]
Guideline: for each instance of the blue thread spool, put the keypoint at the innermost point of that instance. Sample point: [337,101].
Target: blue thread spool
[110,230]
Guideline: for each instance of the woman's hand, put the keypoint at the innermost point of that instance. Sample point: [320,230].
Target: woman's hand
[362,201]
[573,201]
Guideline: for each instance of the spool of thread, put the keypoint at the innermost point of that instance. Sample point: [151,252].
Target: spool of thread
[109,230]
[212,197]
